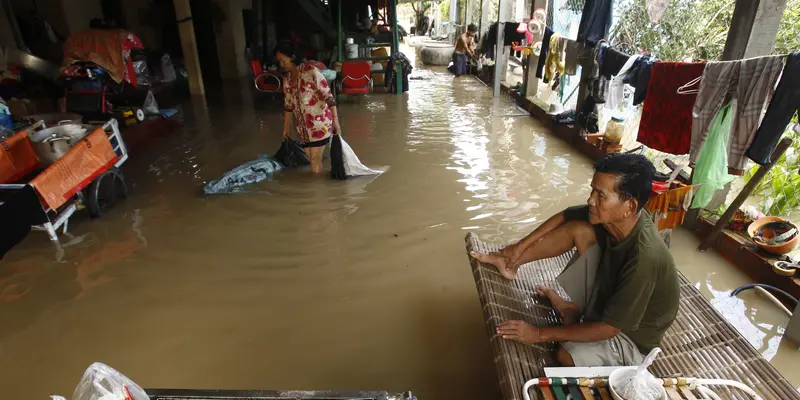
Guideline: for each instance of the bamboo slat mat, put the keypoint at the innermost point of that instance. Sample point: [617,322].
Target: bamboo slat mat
[700,343]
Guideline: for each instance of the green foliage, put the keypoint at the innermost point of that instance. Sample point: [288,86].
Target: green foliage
[788,39]
[779,192]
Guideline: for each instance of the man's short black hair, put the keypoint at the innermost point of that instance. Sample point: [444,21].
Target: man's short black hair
[286,48]
[635,175]
[472,28]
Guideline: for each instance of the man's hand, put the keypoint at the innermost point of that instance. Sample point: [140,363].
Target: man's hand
[520,331]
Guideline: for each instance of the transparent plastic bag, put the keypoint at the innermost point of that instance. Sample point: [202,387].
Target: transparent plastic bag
[101,382]
[640,384]
[150,105]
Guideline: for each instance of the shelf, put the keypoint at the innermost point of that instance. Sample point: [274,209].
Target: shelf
[368,59]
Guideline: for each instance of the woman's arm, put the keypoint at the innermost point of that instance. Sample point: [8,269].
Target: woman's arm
[325,94]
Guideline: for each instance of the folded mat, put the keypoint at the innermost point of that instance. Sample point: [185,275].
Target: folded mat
[700,343]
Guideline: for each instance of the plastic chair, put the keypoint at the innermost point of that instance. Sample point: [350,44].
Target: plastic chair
[265,81]
[355,78]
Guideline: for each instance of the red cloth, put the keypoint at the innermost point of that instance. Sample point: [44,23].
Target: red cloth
[108,48]
[666,123]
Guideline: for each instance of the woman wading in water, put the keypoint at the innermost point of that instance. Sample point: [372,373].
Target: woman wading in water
[307,97]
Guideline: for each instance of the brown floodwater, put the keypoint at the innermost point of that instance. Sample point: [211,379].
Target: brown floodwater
[304,282]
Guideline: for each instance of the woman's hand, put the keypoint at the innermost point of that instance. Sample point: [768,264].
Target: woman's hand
[337,130]
[286,134]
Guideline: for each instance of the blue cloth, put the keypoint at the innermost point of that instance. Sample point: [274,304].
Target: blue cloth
[167,113]
[253,171]
[460,64]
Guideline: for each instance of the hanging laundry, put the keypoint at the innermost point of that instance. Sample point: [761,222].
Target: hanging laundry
[612,62]
[666,123]
[711,169]
[595,21]
[390,80]
[751,82]
[616,88]
[548,33]
[597,84]
[785,102]
[668,208]
[655,9]
[639,77]
[571,60]
[510,35]
[554,65]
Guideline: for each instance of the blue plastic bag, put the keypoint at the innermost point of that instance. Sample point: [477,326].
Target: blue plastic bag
[236,179]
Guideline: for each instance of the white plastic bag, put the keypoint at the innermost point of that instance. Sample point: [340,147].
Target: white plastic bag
[353,166]
[640,383]
[101,382]
[150,106]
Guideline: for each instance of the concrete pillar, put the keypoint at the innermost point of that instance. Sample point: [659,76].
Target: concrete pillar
[231,42]
[499,63]
[183,14]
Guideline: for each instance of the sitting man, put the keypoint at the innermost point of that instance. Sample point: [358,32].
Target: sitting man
[623,282]
[464,51]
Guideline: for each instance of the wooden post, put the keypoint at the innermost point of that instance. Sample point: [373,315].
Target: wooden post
[748,188]
[744,15]
[183,14]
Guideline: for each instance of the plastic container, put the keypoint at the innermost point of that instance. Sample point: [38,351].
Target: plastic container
[614,130]
[779,249]
[352,50]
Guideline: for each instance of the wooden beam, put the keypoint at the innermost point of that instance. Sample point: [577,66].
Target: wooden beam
[742,196]
[744,17]
[183,14]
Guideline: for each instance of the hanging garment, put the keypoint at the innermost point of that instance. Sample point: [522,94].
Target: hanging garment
[668,208]
[751,82]
[548,33]
[235,180]
[616,88]
[639,77]
[554,65]
[595,21]
[711,170]
[666,123]
[572,54]
[612,62]
[510,35]
[655,9]
[597,83]
[785,102]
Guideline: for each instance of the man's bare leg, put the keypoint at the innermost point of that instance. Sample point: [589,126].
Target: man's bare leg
[573,234]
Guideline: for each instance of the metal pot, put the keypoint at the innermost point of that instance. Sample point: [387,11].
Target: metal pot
[51,149]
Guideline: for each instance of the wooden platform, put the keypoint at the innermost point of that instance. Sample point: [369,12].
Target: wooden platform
[700,344]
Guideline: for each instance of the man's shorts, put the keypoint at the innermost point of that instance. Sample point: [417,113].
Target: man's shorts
[615,352]
[577,279]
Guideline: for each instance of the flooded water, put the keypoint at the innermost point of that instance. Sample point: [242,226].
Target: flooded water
[307,283]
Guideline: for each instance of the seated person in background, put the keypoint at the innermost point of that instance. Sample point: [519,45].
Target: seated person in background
[628,289]
[464,51]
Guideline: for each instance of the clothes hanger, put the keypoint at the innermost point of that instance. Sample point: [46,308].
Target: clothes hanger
[685,88]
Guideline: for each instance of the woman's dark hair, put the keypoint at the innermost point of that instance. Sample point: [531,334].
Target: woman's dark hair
[286,48]
[634,172]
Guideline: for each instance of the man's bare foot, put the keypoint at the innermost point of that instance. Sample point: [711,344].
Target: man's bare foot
[503,264]
[569,312]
